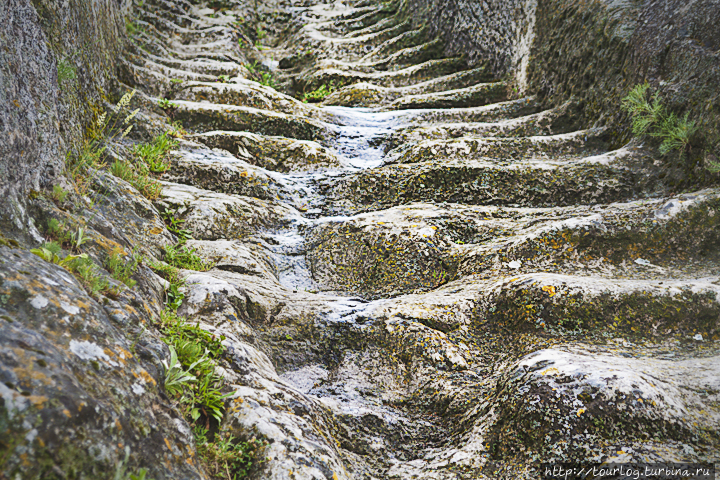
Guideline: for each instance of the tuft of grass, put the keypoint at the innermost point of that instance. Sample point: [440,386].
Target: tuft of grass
[57,231]
[173,294]
[122,268]
[176,378]
[65,237]
[154,154]
[168,107]
[263,78]
[191,372]
[226,457]
[82,164]
[319,94]
[90,276]
[59,194]
[176,130]
[174,225]
[138,176]
[650,117]
[267,79]
[182,256]
[81,266]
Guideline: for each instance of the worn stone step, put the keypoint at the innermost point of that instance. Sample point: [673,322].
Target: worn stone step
[360,18]
[430,50]
[202,66]
[279,154]
[346,73]
[400,98]
[591,180]
[209,215]
[155,78]
[210,116]
[422,246]
[369,94]
[566,146]
[605,400]
[218,171]
[473,96]
[350,48]
[561,305]
[379,253]
[548,122]
[245,93]
[390,26]
[487,113]
[652,239]
[409,39]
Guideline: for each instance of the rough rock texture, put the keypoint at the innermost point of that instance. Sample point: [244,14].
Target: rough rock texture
[82,380]
[57,59]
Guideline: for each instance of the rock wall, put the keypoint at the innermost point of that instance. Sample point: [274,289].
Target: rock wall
[597,51]
[593,51]
[79,393]
[57,59]
[486,31]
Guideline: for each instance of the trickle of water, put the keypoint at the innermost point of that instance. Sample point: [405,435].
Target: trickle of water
[360,131]
[350,310]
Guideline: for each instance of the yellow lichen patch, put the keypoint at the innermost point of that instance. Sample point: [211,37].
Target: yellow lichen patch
[114,356]
[118,425]
[155,231]
[580,412]
[124,354]
[28,372]
[37,400]
[144,376]
[549,371]
[67,413]
[549,289]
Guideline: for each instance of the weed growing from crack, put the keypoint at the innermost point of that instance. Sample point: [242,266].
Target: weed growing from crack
[82,165]
[319,94]
[225,457]
[138,175]
[121,267]
[651,117]
[168,107]
[59,194]
[182,256]
[174,225]
[198,386]
[154,154]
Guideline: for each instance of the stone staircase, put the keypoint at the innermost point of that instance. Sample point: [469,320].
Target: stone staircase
[426,277]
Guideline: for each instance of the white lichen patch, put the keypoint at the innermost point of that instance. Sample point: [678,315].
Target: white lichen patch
[90,351]
[71,309]
[13,400]
[39,302]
